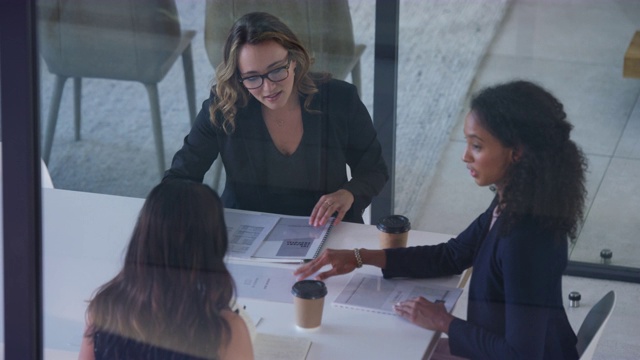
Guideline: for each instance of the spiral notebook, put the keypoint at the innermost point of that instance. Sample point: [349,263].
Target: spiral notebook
[376,294]
[274,238]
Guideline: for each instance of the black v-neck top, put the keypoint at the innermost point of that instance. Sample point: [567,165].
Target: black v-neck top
[288,185]
[339,134]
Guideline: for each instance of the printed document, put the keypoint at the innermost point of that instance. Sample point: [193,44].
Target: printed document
[272,237]
[376,294]
[262,282]
[276,347]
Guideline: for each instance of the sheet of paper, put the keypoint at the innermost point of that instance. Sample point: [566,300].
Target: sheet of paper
[275,347]
[293,237]
[376,294]
[247,231]
[272,237]
[262,282]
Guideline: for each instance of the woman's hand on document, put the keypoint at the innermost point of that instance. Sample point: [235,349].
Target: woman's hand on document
[341,261]
[424,313]
[337,203]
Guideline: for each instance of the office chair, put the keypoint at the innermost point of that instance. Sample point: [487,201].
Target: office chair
[131,40]
[593,325]
[324,27]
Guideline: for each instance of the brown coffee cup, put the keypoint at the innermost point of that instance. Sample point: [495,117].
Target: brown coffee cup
[394,231]
[308,300]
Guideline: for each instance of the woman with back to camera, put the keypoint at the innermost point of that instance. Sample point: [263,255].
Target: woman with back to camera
[518,141]
[171,300]
[285,135]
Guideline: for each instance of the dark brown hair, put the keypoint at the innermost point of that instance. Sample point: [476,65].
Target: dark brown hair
[174,283]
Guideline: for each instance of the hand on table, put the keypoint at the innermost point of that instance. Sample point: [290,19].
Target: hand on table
[424,313]
[341,261]
[339,201]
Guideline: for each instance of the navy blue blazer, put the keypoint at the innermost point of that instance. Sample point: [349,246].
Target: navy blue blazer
[340,134]
[515,308]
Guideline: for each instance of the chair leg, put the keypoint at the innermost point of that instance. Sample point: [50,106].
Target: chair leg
[154,102]
[53,116]
[356,77]
[217,172]
[77,98]
[187,63]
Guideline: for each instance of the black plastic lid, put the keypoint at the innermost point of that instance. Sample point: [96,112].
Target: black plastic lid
[309,289]
[574,295]
[394,224]
[606,254]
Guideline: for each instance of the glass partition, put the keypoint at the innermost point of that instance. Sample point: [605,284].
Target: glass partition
[469,45]
[120,87]
[104,139]
[110,147]
[2,229]
[100,134]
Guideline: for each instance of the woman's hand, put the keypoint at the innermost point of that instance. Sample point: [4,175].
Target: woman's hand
[339,201]
[341,261]
[424,313]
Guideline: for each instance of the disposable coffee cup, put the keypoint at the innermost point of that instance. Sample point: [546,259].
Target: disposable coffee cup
[308,300]
[394,231]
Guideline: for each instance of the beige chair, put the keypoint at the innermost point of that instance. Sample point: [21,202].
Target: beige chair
[593,325]
[324,27]
[464,277]
[132,40]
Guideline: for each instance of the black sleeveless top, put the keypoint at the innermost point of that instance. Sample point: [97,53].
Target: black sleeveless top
[108,346]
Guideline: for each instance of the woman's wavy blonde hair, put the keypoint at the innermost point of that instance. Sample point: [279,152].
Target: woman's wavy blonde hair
[255,28]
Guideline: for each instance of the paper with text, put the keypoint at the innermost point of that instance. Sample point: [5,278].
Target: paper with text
[276,347]
[262,282]
[293,238]
[246,232]
[271,237]
[376,294]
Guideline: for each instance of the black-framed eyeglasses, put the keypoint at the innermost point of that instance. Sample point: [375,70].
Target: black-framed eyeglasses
[275,75]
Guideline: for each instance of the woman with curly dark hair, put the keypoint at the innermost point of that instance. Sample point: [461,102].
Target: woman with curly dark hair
[518,142]
[285,136]
[171,300]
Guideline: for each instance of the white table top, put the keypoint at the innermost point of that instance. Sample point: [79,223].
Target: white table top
[84,241]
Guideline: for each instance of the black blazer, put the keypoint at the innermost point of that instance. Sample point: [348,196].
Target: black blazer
[340,134]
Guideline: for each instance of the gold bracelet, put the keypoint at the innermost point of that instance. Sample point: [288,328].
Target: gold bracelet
[358,258]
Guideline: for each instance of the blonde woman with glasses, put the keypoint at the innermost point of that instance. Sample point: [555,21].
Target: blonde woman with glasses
[285,135]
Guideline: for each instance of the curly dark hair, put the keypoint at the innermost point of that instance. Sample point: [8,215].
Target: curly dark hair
[547,182]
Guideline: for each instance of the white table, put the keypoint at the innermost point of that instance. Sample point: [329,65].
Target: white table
[84,241]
